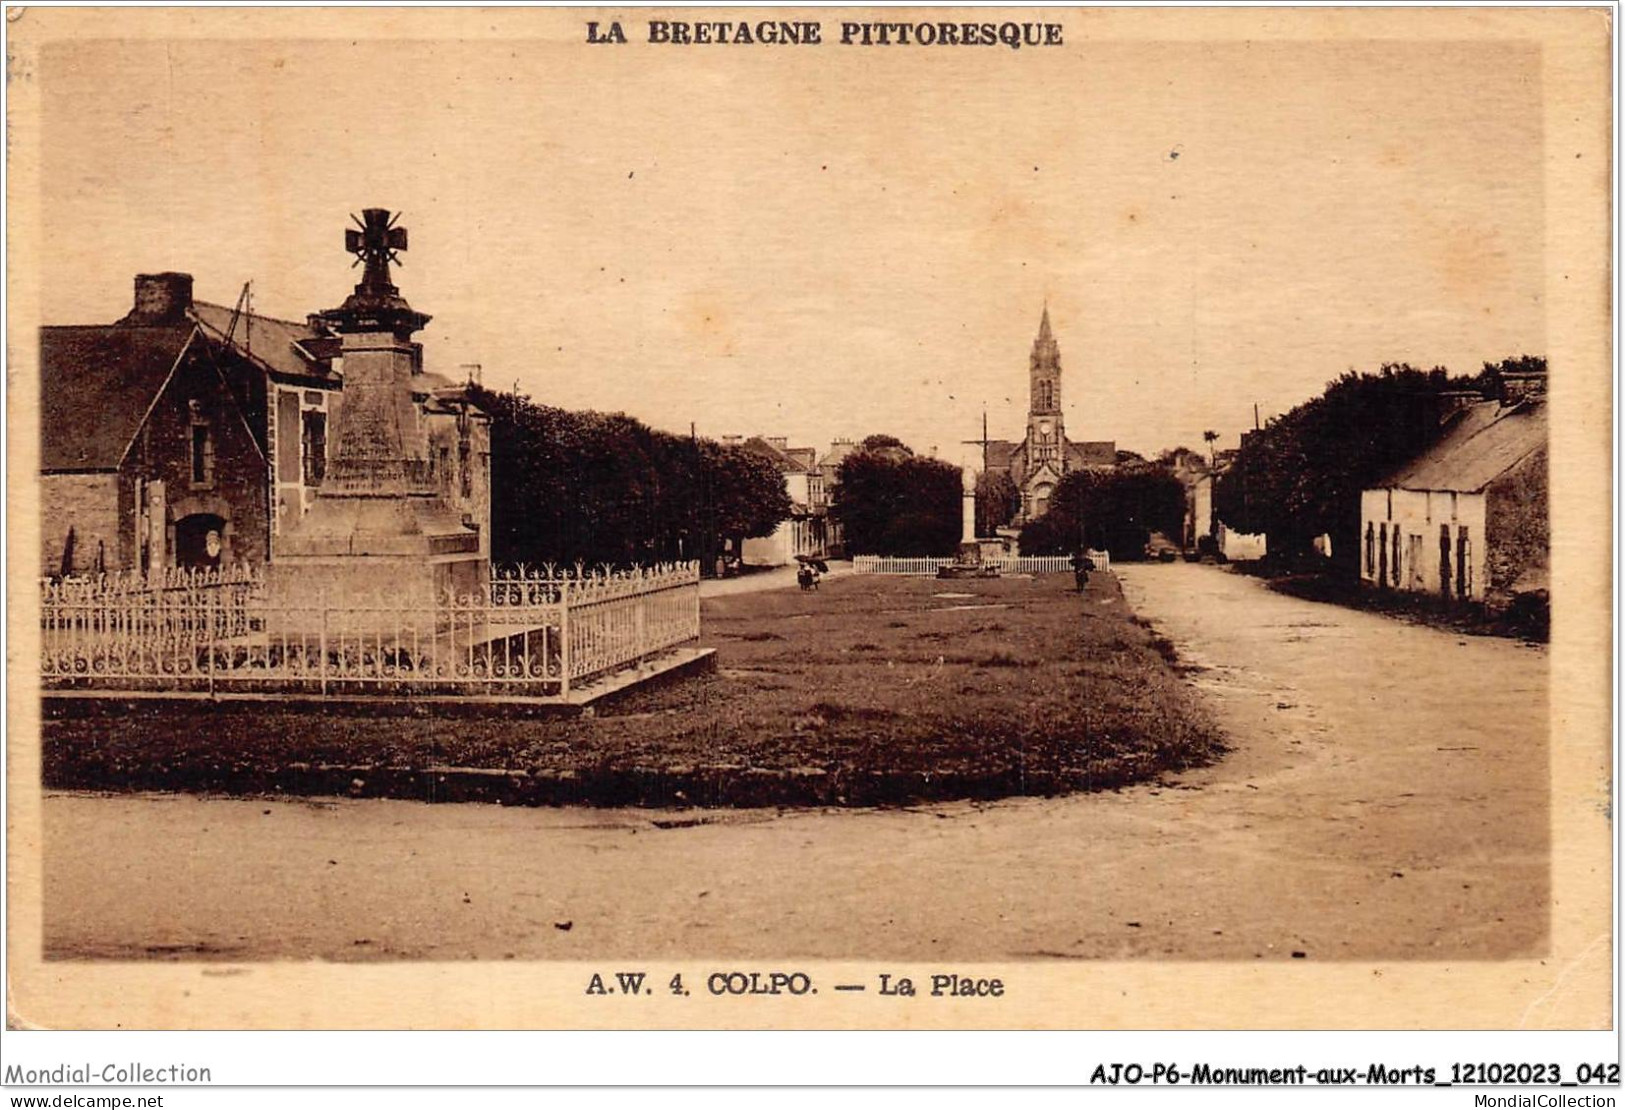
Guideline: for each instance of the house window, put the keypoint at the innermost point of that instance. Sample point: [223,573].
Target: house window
[1370,550]
[314,445]
[288,428]
[202,455]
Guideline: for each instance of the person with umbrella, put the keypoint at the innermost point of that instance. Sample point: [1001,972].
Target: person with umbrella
[811,568]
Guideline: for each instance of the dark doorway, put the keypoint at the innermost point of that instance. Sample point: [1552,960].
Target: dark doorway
[1444,561]
[199,540]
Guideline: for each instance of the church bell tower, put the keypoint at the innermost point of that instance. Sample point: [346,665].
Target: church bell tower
[1046,436]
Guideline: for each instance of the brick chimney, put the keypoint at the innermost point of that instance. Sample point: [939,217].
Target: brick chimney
[781,442]
[160,298]
[732,441]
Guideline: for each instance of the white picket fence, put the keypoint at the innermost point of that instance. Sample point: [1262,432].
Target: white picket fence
[890,564]
[1008,564]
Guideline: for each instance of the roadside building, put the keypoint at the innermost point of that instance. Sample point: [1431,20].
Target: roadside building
[1468,518]
[186,433]
[806,530]
[1203,532]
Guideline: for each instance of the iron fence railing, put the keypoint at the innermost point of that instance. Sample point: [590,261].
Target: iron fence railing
[531,632]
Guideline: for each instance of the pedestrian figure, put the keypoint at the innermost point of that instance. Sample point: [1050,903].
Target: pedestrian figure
[1081,566]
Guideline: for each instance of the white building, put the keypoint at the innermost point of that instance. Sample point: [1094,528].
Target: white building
[805,530]
[1467,519]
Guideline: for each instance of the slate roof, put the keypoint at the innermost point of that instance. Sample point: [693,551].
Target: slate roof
[96,384]
[835,455]
[756,445]
[1481,443]
[1092,453]
[805,457]
[790,460]
[282,346]
[1000,452]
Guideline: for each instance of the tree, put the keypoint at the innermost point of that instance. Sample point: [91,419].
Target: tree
[1210,437]
[595,488]
[892,503]
[747,494]
[1302,474]
[1112,509]
[879,442]
[997,501]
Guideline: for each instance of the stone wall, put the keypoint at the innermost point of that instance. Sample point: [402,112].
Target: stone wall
[1518,525]
[87,505]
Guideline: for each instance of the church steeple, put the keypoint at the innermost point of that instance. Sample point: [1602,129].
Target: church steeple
[1046,440]
[1045,369]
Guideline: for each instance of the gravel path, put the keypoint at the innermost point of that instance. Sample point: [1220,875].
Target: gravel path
[1387,799]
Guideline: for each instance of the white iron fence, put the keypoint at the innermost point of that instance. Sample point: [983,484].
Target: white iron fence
[533,632]
[1009,564]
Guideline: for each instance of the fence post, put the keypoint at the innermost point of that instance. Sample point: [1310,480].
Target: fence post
[640,628]
[209,616]
[322,659]
[564,638]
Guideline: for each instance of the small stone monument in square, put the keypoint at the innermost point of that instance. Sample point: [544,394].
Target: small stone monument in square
[379,521]
[968,561]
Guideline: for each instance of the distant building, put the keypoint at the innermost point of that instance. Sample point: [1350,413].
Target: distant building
[1044,455]
[184,434]
[1203,532]
[806,530]
[1468,518]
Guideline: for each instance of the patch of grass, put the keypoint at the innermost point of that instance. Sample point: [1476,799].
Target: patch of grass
[997,659]
[1065,693]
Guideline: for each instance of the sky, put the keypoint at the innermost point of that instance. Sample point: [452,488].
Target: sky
[822,242]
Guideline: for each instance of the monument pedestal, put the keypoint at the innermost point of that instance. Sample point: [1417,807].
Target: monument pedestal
[968,559]
[413,549]
[379,529]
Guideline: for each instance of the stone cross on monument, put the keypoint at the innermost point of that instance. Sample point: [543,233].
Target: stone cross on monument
[379,518]
[373,442]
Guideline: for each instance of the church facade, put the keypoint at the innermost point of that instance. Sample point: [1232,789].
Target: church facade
[1039,461]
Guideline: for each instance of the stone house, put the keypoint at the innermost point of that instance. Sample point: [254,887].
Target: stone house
[1467,520]
[186,433]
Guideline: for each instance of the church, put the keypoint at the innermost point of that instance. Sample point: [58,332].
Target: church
[1044,455]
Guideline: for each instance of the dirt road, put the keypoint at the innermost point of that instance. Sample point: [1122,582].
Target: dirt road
[1386,799]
